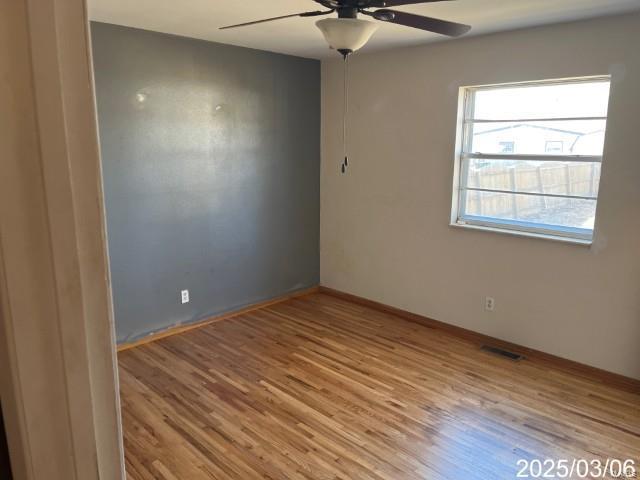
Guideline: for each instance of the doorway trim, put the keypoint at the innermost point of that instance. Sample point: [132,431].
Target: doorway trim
[58,369]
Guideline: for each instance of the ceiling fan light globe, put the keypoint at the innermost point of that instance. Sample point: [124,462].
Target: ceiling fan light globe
[346,33]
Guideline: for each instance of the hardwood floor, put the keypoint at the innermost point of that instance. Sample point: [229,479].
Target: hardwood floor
[320,388]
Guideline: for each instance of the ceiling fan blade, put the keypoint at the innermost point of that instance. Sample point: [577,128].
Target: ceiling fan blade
[328,3]
[398,3]
[429,24]
[303,14]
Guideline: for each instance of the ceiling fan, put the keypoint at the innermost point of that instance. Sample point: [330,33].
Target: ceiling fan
[348,33]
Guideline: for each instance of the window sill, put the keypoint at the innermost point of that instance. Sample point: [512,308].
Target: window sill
[520,233]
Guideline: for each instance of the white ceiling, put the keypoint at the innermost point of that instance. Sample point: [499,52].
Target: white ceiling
[299,36]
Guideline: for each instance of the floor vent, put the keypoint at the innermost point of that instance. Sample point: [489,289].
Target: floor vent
[503,353]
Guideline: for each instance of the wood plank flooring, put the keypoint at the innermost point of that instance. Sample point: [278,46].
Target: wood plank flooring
[320,388]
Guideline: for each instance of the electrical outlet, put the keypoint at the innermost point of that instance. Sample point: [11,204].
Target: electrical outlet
[489,304]
[185,296]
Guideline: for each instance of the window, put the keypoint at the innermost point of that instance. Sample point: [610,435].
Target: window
[550,186]
[554,146]
[507,147]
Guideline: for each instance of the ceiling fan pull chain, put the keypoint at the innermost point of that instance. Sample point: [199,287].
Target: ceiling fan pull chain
[345,113]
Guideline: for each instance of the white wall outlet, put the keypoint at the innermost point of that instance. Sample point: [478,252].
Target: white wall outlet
[185,296]
[489,304]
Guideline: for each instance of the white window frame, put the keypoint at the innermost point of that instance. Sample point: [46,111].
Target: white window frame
[463,152]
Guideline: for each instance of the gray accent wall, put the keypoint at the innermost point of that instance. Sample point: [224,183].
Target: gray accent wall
[211,167]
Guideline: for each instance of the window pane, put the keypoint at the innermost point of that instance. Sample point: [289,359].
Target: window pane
[580,179]
[543,101]
[575,137]
[566,212]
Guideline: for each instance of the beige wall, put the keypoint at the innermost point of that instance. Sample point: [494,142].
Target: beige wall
[385,231]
